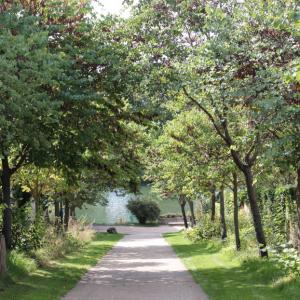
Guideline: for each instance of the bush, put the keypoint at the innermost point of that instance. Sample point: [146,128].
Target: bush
[205,229]
[53,245]
[56,245]
[27,234]
[144,210]
[286,257]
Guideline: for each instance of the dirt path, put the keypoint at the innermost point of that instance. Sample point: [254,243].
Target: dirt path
[142,266]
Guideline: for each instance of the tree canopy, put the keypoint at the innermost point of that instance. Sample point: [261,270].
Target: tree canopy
[196,97]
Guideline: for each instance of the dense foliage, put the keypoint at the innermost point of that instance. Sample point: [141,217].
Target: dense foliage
[199,98]
[66,110]
[228,73]
[144,210]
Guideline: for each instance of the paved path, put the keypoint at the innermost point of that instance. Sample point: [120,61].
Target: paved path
[142,266]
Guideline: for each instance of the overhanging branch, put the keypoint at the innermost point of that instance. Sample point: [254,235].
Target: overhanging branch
[208,114]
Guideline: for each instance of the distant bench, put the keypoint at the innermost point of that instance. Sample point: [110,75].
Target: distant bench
[172,221]
[176,223]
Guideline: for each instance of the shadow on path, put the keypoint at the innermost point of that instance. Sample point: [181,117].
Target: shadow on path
[141,266]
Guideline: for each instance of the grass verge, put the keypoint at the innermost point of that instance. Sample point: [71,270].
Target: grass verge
[51,283]
[224,274]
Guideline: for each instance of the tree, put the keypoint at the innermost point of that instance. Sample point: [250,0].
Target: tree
[247,91]
[222,214]
[28,86]
[188,159]
[74,81]
[224,58]
[236,210]
[39,183]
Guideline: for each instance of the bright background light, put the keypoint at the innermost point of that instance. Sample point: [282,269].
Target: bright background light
[110,7]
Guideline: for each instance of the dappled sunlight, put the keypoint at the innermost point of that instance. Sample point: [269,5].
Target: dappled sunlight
[150,152]
[140,259]
[141,266]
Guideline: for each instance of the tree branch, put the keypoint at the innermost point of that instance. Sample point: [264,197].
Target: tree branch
[209,115]
[20,159]
[226,136]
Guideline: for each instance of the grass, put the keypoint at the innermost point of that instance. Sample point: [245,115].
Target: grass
[53,282]
[225,275]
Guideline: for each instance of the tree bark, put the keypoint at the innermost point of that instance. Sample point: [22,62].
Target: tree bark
[298,209]
[213,204]
[37,208]
[2,255]
[193,218]
[35,195]
[61,212]
[46,215]
[182,203]
[222,215]
[72,212]
[67,214]
[236,213]
[7,214]
[56,212]
[251,190]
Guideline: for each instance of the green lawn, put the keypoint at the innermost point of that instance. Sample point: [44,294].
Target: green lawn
[53,282]
[224,276]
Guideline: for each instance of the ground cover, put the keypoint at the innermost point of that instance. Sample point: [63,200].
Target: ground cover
[224,274]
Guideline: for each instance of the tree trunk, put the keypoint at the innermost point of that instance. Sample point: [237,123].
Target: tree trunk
[56,212]
[72,212]
[251,190]
[35,196]
[298,209]
[2,255]
[236,213]
[61,212]
[7,214]
[222,215]
[46,215]
[38,210]
[193,218]
[213,204]
[67,214]
[287,224]
[182,203]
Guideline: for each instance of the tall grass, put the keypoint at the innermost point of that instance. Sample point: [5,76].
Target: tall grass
[57,243]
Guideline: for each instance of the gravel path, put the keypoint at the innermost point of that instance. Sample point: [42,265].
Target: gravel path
[142,266]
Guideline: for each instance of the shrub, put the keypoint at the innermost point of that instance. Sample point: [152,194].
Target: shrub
[144,210]
[56,245]
[205,229]
[27,234]
[286,257]
[81,231]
